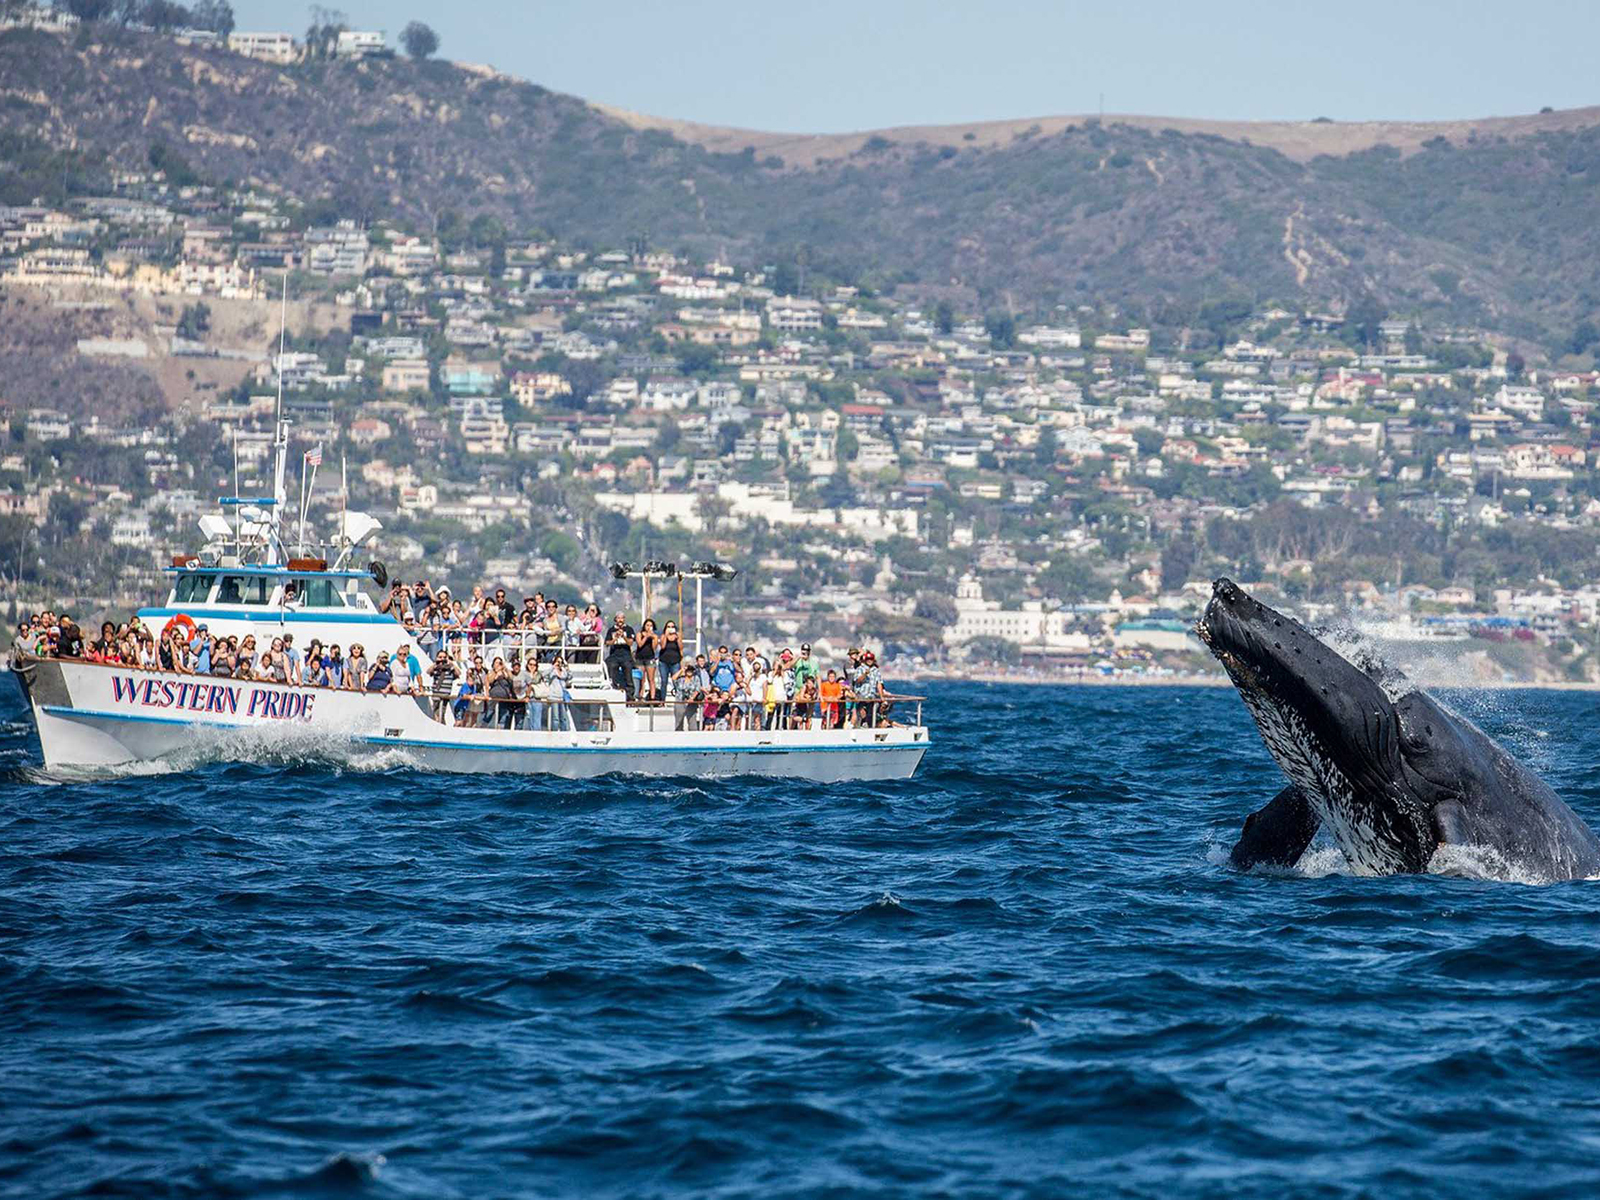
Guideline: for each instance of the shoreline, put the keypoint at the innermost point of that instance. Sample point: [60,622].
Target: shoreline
[1222,681]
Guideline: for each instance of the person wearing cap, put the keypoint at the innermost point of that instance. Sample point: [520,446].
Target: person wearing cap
[201,644]
[805,671]
[421,597]
[382,677]
[293,660]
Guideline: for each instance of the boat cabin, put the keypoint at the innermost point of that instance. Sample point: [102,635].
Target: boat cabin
[304,584]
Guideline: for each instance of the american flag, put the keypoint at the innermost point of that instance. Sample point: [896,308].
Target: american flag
[314,455]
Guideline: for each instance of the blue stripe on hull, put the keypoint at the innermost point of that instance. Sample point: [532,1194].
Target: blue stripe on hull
[386,741]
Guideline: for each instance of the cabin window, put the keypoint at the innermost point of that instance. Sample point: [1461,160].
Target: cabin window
[191,589]
[243,589]
[320,593]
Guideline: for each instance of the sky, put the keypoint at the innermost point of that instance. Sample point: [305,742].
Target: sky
[824,66]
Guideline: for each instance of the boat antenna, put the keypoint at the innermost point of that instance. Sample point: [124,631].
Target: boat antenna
[312,459]
[281,439]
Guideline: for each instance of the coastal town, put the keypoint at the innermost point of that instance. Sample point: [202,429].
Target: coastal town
[978,483]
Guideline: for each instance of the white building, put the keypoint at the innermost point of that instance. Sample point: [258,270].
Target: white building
[1526,402]
[341,250]
[1051,337]
[355,43]
[794,315]
[1029,626]
[269,47]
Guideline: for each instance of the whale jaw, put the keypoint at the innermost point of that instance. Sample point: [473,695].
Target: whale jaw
[1328,725]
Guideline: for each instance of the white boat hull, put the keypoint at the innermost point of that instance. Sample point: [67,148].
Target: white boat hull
[90,715]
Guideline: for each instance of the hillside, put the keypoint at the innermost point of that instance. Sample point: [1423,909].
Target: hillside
[1299,140]
[1490,222]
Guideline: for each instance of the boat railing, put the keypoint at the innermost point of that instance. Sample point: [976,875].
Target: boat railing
[520,641]
[678,715]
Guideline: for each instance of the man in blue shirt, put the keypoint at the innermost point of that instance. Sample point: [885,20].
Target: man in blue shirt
[724,674]
[296,660]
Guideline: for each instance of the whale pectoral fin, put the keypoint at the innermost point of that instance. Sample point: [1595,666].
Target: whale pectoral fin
[1449,821]
[1277,834]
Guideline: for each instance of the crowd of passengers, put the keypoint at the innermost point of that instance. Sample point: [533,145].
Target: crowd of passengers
[506,667]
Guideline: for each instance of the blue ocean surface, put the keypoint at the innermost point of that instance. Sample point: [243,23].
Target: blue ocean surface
[1026,971]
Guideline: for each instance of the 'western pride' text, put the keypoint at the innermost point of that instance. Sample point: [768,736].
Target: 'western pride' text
[212,698]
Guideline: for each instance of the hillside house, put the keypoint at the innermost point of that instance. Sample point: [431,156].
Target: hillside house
[463,378]
[268,47]
[406,375]
[792,314]
[529,388]
[359,43]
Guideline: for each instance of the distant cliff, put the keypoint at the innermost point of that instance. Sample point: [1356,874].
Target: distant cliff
[1493,222]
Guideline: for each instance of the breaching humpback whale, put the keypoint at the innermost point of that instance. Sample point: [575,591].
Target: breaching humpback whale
[1388,771]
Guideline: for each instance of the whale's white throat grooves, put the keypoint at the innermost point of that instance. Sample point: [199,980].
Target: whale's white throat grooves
[1295,748]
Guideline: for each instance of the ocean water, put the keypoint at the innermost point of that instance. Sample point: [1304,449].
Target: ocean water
[1027,971]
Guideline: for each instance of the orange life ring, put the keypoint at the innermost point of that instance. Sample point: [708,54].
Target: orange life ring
[184,621]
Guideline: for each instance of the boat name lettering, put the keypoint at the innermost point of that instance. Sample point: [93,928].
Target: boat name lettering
[212,698]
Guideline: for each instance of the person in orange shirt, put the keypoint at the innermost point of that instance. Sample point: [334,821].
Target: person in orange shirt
[831,692]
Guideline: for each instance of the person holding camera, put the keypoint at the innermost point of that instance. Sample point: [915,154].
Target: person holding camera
[619,655]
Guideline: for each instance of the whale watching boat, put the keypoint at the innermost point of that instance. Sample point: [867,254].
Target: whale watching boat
[245,581]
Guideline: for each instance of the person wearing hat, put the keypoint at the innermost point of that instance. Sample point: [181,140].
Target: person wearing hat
[201,645]
[805,670]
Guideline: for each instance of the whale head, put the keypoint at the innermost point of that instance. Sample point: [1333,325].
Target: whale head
[1370,752]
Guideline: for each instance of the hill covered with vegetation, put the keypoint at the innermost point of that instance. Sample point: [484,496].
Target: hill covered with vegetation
[1494,227]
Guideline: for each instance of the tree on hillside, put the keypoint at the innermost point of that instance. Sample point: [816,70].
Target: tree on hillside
[935,607]
[419,40]
[1002,330]
[322,35]
[1044,452]
[1149,440]
[215,15]
[163,15]
[89,10]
